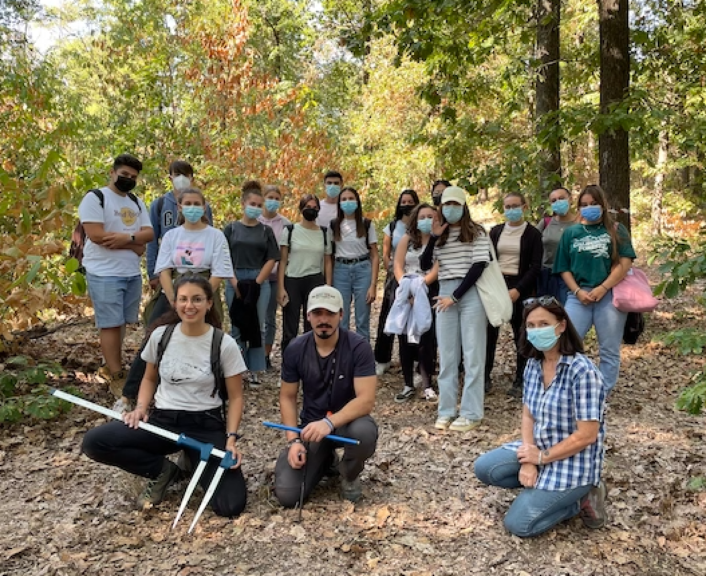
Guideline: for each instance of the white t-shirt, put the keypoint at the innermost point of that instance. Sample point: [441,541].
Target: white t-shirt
[186,379]
[350,245]
[327,212]
[118,214]
[195,251]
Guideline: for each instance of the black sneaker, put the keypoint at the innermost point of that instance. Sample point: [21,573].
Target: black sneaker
[351,490]
[406,394]
[488,385]
[592,510]
[156,489]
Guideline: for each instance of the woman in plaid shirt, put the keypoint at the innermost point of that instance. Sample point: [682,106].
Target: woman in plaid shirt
[559,459]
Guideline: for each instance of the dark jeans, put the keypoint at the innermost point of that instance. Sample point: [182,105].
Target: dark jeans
[549,284]
[142,453]
[298,291]
[493,333]
[385,342]
[320,455]
[424,352]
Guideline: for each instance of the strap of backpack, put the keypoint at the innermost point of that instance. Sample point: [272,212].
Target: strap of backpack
[219,384]
[98,193]
[290,228]
[162,344]
[366,223]
[325,233]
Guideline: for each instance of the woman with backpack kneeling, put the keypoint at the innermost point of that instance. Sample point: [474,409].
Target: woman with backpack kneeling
[187,399]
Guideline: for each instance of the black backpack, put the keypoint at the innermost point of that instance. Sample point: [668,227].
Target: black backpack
[219,384]
[78,236]
[335,222]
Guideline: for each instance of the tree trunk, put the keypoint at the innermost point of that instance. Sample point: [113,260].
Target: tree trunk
[547,126]
[613,144]
[658,195]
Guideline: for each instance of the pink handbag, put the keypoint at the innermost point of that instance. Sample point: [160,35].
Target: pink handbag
[633,293]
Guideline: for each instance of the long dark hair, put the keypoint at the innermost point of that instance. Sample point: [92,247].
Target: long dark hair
[171,316]
[336,222]
[470,230]
[569,341]
[597,193]
[398,208]
[415,236]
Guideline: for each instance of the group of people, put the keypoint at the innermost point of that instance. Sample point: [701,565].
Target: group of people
[559,276]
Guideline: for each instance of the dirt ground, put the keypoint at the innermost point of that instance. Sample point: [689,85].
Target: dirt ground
[423,512]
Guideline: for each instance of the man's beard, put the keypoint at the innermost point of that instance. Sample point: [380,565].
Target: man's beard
[325,335]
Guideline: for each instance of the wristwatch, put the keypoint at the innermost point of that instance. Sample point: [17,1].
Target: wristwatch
[132,237]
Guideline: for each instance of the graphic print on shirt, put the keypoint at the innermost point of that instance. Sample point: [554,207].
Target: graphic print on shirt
[127,215]
[184,370]
[599,246]
[189,253]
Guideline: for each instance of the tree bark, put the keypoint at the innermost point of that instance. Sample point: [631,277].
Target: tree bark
[613,144]
[658,194]
[547,126]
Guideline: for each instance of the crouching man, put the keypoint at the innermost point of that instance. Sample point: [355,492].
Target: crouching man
[336,369]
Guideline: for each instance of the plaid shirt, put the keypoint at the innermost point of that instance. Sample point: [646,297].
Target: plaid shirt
[576,393]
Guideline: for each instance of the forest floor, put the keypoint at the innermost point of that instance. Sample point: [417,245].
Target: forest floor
[423,511]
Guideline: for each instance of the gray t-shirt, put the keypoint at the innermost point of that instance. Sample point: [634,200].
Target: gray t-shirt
[551,234]
[251,246]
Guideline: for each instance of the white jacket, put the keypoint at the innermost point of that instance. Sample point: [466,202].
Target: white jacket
[410,317]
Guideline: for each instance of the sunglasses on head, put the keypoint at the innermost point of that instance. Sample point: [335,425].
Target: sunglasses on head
[542,301]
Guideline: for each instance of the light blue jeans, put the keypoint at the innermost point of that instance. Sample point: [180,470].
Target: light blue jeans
[116,299]
[353,282]
[271,316]
[461,329]
[254,357]
[609,323]
[533,511]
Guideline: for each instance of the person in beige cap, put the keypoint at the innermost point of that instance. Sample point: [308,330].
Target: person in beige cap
[336,370]
[462,249]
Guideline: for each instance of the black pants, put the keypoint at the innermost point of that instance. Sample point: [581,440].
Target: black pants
[288,481]
[142,453]
[298,290]
[385,342]
[493,333]
[424,352]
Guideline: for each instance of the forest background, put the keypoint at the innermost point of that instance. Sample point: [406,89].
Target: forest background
[496,95]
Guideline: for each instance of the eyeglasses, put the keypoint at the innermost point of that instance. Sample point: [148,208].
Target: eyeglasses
[542,301]
[196,300]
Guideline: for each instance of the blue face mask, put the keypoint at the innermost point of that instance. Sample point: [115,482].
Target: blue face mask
[544,338]
[514,214]
[591,213]
[272,205]
[561,207]
[452,214]
[349,207]
[192,213]
[424,226]
[253,212]
[333,190]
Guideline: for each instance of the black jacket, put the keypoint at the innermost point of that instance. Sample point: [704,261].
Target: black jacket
[530,257]
[243,313]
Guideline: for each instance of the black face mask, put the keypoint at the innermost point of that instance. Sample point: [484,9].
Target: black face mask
[125,184]
[436,200]
[310,214]
[406,210]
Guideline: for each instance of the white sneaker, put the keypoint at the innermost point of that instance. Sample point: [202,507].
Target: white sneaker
[381,368]
[462,424]
[253,381]
[430,396]
[442,422]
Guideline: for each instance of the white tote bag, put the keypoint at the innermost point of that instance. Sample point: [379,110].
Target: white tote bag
[493,292]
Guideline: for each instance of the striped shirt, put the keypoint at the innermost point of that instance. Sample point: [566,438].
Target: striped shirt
[456,258]
[576,393]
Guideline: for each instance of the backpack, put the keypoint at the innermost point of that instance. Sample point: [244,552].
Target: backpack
[78,236]
[366,223]
[219,384]
[290,227]
[634,327]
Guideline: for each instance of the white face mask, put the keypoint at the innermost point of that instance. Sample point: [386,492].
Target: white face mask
[181,182]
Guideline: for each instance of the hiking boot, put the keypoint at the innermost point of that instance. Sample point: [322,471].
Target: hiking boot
[156,489]
[406,394]
[184,464]
[462,424]
[442,422]
[592,510]
[115,380]
[430,396]
[381,368]
[351,490]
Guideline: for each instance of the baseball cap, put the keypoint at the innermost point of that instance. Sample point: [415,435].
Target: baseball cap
[325,297]
[453,194]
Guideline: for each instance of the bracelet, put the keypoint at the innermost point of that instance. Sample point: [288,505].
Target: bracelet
[605,288]
[539,459]
[294,441]
[454,299]
[575,292]
[330,424]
